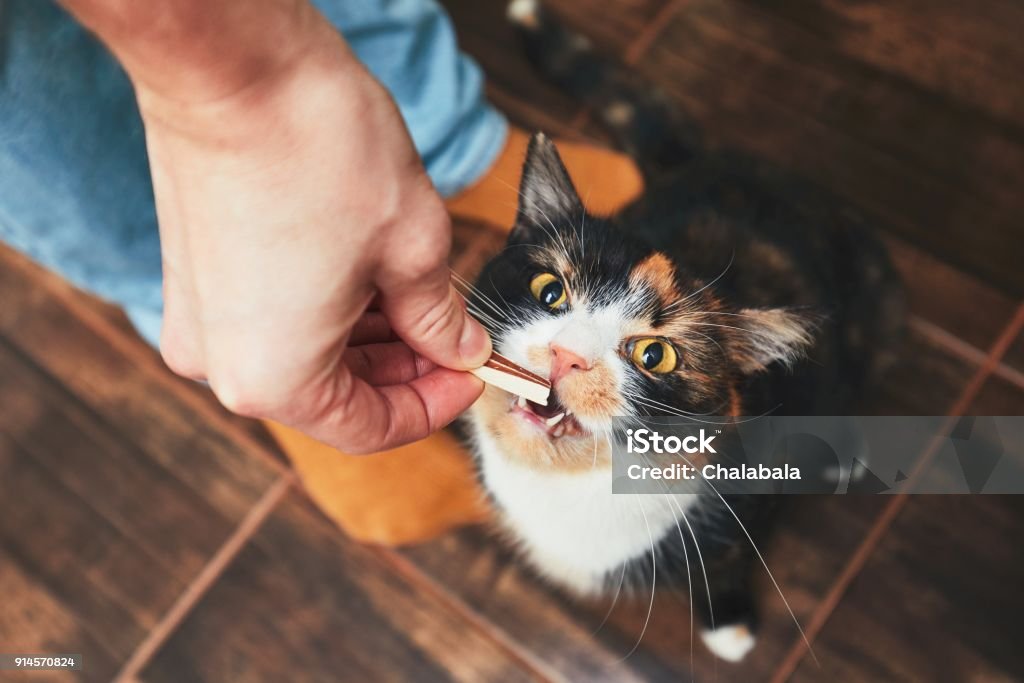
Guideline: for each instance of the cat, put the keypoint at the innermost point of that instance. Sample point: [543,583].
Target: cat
[726,289]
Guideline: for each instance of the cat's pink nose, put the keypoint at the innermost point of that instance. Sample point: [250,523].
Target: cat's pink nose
[564,361]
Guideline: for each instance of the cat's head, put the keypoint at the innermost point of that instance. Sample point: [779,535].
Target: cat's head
[618,327]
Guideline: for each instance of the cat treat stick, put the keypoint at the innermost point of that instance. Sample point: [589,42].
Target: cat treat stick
[515,379]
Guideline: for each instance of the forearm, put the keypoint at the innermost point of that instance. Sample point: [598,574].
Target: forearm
[200,51]
[289,194]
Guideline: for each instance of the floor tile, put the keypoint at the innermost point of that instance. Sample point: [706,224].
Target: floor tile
[969,57]
[940,175]
[103,535]
[301,603]
[940,599]
[125,384]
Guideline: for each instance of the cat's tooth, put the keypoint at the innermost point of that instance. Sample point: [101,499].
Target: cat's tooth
[558,431]
[521,402]
[552,421]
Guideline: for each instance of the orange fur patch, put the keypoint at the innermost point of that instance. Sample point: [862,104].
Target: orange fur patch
[657,272]
[592,393]
[561,265]
[735,403]
[533,448]
[540,357]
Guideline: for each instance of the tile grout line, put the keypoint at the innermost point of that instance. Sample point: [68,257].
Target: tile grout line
[989,365]
[956,346]
[855,564]
[205,579]
[639,46]
[637,49]
[415,576]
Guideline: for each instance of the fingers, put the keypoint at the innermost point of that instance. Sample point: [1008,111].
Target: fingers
[372,328]
[430,316]
[368,419]
[440,396]
[386,364]
[416,291]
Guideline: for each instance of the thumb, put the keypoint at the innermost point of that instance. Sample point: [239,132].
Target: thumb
[430,316]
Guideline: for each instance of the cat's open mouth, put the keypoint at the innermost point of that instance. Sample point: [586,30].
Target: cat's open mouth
[554,418]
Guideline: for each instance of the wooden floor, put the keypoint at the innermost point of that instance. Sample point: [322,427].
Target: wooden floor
[166,540]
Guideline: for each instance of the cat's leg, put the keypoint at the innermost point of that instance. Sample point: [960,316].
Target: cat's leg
[731,643]
[724,605]
[718,567]
[728,627]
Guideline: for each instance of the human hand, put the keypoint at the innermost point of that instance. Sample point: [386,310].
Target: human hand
[290,198]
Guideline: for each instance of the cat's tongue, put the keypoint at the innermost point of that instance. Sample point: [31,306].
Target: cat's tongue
[553,417]
[550,410]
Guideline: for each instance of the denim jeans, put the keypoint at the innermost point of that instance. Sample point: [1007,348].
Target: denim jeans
[75,191]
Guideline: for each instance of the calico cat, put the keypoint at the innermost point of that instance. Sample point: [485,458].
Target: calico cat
[724,290]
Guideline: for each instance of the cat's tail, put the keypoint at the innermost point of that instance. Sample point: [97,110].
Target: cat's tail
[643,121]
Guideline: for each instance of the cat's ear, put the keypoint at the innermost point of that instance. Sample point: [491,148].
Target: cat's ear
[771,335]
[546,193]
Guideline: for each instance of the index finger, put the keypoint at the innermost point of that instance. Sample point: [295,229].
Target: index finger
[365,419]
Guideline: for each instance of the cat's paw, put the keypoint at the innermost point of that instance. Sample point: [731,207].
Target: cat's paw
[523,12]
[730,643]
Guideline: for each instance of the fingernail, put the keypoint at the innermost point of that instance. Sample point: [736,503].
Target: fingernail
[475,343]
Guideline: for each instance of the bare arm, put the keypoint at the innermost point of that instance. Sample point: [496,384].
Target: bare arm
[289,198]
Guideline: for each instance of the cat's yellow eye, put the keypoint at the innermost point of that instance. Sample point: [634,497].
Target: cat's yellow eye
[654,355]
[548,290]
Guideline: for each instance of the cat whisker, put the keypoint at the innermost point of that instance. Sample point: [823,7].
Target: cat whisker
[654,583]
[481,315]
[622,576]
[732,313]
[686,559]
[556,236]
[654,577]
[489,320]
[731,420]
[508,306]
[670,412]
[689,581]
[760,557]
[690,296]
[521,245]
[476,292]
[615,599]
[478,302]
[486,320]
[662,410]
[664,405]
[506,318]
[753,333]
[671,500]
[710,339]
[583,225]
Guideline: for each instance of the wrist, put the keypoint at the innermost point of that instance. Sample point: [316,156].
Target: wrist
[195,52]
[269,113]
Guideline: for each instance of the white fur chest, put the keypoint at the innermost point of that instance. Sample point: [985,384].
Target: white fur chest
[570,524]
